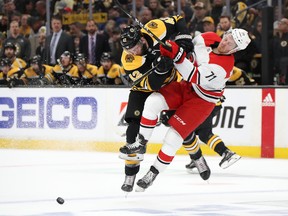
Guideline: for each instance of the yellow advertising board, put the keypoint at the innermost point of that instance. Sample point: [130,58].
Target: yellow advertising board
[83,18]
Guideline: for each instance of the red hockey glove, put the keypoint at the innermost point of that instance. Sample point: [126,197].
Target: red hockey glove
[173,51]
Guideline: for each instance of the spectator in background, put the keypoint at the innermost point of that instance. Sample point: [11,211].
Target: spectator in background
[29,7]
[41,43]
[57,42]
[40,8]
[281,51]
[257,36]
[16,16]
[75,30]
[108,29]
[187,9]
[208,24]
[217,10]
[4,23]
[25,29]
[93,44]
[169,5]
[224,25]
[2,38]
[145,16]
[114,14]
[139,6]
[156,8]
[115,45]
[195,26]
[23,46]
[9,8]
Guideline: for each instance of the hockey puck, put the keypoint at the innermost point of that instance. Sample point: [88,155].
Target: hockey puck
[60,200]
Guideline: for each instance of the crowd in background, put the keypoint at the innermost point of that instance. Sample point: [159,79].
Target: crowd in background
[94,47]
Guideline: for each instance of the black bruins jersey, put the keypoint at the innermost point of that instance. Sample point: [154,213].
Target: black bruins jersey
[136,66]
[31,77]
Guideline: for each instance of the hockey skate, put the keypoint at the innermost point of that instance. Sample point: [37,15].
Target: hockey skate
[228,159]
[134,151]
[147,179]
[128,183]
[191,167]
[203,168]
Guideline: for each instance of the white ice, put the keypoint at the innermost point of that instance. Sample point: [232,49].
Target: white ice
[30,182]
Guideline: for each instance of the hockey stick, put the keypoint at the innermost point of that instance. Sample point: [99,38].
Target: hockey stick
[140,24]
[247,8]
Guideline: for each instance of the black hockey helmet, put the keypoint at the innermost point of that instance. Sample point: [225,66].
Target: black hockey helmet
[36,59]
[130,36]
[10,45]
[5,62]
[106,56]
[80,57]
[66,54]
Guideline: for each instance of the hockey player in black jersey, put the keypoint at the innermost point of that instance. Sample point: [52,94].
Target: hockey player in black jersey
[141,54]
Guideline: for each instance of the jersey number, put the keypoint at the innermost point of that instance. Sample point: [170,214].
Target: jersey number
[211,77]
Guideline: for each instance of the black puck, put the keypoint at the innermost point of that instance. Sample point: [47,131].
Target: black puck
[60,200]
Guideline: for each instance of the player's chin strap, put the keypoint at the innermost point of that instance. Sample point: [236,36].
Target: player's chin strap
[132,157]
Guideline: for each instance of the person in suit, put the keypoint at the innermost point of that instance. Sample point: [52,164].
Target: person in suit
[93,44]
[57,42]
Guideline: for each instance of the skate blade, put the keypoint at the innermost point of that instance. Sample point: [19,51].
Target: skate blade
[232,160]
[139,189]
[137,157]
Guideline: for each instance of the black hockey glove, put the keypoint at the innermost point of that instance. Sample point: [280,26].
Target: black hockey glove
[162,65]
[185,41]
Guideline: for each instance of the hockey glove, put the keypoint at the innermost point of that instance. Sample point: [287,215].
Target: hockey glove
[173,51]
[162,65]
[185,41]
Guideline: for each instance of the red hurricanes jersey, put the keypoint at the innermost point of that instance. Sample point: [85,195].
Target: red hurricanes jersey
[209,71]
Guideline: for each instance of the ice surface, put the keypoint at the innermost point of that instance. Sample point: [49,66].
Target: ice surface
[31,181]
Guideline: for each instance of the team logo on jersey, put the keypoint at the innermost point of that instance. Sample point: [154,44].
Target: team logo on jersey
[153,25]
[129,58]
[137,113]
[283,43]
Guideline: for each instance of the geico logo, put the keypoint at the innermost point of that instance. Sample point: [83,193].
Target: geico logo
[52,112]
[230,117]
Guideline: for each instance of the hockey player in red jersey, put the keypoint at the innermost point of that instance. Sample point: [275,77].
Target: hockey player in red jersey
[193,99]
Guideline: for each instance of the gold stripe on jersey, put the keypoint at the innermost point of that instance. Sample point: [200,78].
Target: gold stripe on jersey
[213,141]
[193,147]
[131,162]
